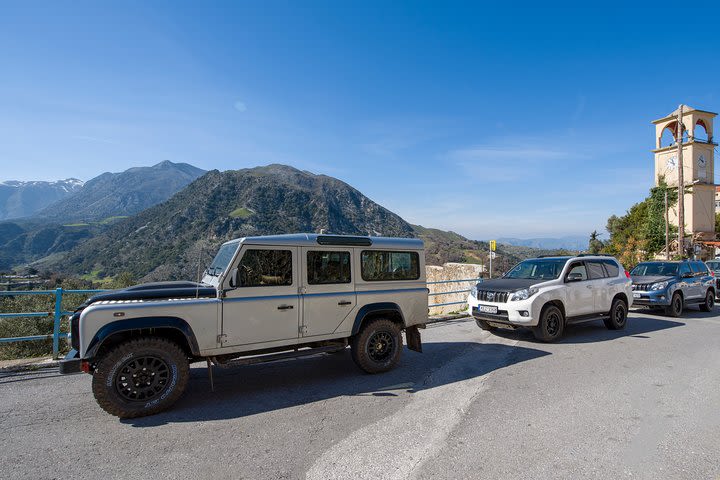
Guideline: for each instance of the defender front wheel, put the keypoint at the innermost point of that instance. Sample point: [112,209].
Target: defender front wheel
[140,377]
[378,346]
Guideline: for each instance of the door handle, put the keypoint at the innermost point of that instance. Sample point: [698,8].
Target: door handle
[344,302]
[589,286]
[285,307]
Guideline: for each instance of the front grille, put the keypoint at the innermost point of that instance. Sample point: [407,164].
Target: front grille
[491,296]
[643,287]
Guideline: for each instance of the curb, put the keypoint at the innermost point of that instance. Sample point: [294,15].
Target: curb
[28,367]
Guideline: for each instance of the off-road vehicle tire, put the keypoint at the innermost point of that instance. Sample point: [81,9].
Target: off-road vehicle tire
[709,302]
[377,346]
[159,366]
[551,324]
[675,308]
[617,317]
[484,325]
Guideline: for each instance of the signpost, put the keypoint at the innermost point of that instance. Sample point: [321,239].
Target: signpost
[493,245]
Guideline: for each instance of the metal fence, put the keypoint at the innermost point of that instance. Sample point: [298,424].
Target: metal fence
[58,313]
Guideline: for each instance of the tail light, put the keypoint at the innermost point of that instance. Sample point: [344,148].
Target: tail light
[627,274]
[712,274]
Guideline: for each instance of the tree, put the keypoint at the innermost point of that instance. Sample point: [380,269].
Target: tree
[596,245]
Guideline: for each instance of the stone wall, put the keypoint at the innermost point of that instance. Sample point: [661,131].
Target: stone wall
[451,271]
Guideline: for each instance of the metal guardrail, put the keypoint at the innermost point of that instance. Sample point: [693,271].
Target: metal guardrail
[58,313]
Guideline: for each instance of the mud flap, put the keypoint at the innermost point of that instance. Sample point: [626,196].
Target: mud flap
[412,334]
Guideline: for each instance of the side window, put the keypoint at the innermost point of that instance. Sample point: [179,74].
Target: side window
[684,268]
[577,268]
[265,268]
[612,268]
[698,268]
[378,265]
[595,269]
[328,267]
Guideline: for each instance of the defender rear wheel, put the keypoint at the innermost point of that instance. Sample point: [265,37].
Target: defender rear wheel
[140,377]
[551,325]
[675,308]
[709,303]
[618,315]
[377,346]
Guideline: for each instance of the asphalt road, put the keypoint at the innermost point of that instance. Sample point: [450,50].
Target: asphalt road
[641,403]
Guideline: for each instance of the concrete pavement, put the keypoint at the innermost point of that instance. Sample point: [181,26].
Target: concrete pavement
[641,403]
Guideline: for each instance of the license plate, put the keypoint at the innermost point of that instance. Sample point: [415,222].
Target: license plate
[636,295]
[488,309]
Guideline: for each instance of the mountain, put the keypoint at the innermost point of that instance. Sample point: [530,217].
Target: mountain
[122,194]
[170,239]
[572,242]
[22,199]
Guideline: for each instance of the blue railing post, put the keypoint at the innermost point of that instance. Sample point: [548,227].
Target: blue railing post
[56,326]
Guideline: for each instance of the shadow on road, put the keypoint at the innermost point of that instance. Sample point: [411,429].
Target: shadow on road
[595,330]
[250,390]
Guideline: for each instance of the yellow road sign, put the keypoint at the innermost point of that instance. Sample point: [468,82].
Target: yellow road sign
[492,245]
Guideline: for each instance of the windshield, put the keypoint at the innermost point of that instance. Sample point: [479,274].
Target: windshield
[655,269]
[538,269]
[713,265]
[222,259]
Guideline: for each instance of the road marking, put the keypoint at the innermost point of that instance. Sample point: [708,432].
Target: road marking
[398,445]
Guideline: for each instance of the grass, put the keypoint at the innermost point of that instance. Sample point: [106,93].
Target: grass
[109,220]
[241,212]
[76,225]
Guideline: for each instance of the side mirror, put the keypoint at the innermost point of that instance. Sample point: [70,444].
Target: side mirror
[574,277]
[233,280]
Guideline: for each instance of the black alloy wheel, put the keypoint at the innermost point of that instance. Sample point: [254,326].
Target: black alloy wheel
[709,303]
[617,319]
[675,308]
[551,324]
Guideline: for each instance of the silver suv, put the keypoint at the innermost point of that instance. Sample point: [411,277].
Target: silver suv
[546,294]
[261,299]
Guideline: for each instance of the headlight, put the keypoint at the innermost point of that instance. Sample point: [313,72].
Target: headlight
[473,291]
[659,286]
[523,294]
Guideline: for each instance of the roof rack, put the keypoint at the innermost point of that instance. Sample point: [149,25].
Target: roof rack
[344,240]
[593,255]
[553,256]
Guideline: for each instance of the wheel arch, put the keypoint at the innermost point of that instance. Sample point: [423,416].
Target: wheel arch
[172,328]
[389,310]
[623,297]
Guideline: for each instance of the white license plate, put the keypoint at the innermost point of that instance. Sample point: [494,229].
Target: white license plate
[487,309]
[636,295]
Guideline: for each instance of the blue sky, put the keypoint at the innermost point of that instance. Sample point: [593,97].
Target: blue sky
[502,119]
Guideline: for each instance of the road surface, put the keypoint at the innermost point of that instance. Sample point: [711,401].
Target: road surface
[640,403]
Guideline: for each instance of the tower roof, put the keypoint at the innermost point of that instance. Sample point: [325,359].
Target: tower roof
[686,110]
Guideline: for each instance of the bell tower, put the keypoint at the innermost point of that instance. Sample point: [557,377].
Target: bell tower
[698,164]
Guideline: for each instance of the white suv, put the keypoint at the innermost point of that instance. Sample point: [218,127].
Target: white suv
[548,293]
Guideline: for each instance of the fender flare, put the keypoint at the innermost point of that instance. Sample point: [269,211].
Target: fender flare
[376,308]
[120,326]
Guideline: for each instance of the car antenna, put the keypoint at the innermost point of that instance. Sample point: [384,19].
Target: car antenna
[197,284]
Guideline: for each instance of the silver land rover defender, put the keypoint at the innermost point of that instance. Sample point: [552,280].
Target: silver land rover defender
[261,299]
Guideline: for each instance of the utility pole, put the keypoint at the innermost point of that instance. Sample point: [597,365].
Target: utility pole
[681,185]
[667,227]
